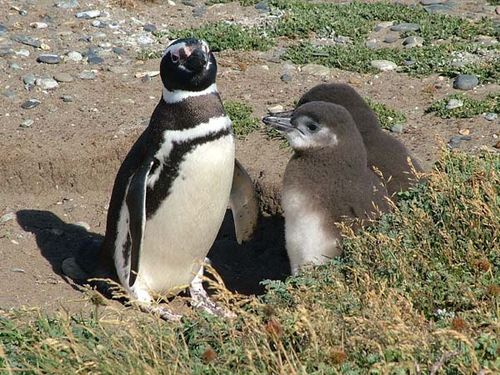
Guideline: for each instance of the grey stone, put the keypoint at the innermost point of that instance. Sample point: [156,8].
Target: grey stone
[119,51]
[29,79]
[23,12]
[17,270]
[63,77]
[99,24]
[413,41]
[397,128]
[22,52]
[454,141]
[88,14]
[199,11]
[189,3]
[454,103]
[30,104]
[263,6]
[67,98]
[48,59]
[29,41]
[47,83]
[438,8]
[39,25]
[149,27]
[10,94]
[144,39]
[94,59]
[87,75]
[403,27]
[371,44]
[383,65]
[430,2]
[383,25]
[15,66]
[391,38]
[6,51]
[3,29]
[342,39]
[286,77]
[316,70]
[490,116]
[26,123]
[118,69]
[465,82]
[7,217]
[74,56]
[67,4]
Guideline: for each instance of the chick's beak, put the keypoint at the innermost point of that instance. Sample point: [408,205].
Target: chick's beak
[280,121]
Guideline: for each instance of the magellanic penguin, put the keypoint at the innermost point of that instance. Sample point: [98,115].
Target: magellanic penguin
[173,188]
[326,181]
[385,153]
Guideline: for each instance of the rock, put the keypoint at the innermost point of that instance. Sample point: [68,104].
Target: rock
[149,27]
[342,39]
[497,145]
[31,103]
[26,123]
[438,8]
[153,73]
[119,51]
[465,82]
[454,103]
[88,14]
[63,77]
[286,77]
[74,56]
[189,3]
[413,41]
[371,44]
[10,94]
[67,98]
[87,75]
[118,69]
[490,116]
[29,79]
[275,109]
[7,217]
[38,25]
[383,65]
[84,225]
[67,4]
[403,27]
[397,128]
[48,59]
[170,2]
[199,11]
[144,39]
[383,25]
[15,66]
[17,270]
[391,38]
[6,51]
[454,141]
[430,2]
[29,41]
[23,52]
[99,24]
[3,29]
[94,59]
[45,47]
[263,7]
[316,70]
[46,83]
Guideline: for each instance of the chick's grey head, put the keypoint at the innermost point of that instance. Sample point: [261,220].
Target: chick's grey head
[189,65]
[314,125]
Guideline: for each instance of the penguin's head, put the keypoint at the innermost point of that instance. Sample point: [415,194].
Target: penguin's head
[315,125]
[188,65]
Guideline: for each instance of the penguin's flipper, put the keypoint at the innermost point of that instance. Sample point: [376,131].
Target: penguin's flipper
[136,204]
[243,203]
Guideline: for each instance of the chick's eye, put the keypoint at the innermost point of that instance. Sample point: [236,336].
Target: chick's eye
[174,58]
[312,127]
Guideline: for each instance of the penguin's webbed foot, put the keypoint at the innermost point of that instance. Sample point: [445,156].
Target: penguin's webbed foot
[162,312]
[200,298]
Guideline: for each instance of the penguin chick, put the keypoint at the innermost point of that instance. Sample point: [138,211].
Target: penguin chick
[385,153]
[326,181]
[173,188]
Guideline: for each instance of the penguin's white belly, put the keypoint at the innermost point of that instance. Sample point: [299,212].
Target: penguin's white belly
[307,240]
[179,235]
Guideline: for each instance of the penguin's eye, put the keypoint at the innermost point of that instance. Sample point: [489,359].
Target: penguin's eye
[175,58]
[312,126]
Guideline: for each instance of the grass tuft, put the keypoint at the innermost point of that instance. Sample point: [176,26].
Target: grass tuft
[471,107]
[387,117]
[241,116]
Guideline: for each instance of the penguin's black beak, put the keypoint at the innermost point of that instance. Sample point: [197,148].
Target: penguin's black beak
[280,121]
[197,60]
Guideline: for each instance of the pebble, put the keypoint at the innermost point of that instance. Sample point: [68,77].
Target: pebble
[26,123]
[29,79]
[391,38]
[153,73]
[316,70]
[383,25]
[144,39]
[383,65]
[275,109]
[48,59]
[438,8]
[92,58]
[403,27]
[47,83]
[87,75]
[7,217]
[29,41]
[17,270]
[430,2]
[88,14]
[490,116]
[63,77]
[31,103]
[286,77]
[74,56]
[38,25]
[454,103]
[67,98]
[413,41]
[465,82]
[263,6]
[84,225]
[118,69]
[189,3]
[15,66]
[497,145]
[149,27]
[371,44]
[119,51]
[397,128]
[199,11]
[455,141]
[3,29]
[23,52]
[67,4]
[9,93]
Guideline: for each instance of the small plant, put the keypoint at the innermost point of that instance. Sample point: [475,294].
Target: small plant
[149,54]
[470,107]
[387,117]
[241,116]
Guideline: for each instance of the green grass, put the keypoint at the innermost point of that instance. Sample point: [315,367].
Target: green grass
[387,116]
[471,107]
[420,287]
[241,116]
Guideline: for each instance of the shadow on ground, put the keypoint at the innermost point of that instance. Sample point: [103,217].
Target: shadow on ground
[242,267]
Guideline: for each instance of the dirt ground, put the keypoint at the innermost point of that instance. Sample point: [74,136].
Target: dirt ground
[58,173]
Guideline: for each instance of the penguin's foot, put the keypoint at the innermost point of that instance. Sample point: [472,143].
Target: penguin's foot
[162,312]
[200,298]
[71,269]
